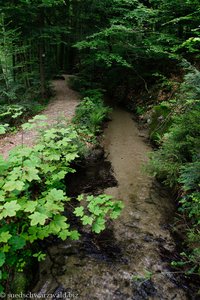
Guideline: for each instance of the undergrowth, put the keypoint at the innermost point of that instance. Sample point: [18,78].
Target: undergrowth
[177,164]
[91,112]
[33,191]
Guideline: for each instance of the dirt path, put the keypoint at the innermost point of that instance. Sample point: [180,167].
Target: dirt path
[63,104]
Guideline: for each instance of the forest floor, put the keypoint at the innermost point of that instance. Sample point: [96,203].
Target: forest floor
[63,104]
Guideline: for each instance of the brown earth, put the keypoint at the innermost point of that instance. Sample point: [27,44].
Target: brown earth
[63,104]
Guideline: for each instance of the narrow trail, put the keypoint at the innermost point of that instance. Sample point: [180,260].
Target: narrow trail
[63,104]
[103,267]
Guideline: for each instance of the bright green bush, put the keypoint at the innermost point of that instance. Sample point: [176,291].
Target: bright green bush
[33,197]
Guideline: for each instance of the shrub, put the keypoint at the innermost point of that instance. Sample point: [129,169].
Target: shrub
[177,163]
[91,112]
[33,197]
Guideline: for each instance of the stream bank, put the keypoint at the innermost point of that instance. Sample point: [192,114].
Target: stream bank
[128,260]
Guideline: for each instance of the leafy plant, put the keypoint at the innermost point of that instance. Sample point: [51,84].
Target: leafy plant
[3,128]
[97,210]
[9,113]
[177,164]
[91,112]
[33,197]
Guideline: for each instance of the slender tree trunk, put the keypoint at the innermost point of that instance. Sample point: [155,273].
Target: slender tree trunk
[42,70]
[41,20]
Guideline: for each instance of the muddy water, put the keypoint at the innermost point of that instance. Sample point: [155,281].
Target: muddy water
[106,267]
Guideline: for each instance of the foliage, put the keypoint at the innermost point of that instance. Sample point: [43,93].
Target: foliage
[91,112]
[121,46]
[160,121]
[33,196]
[177,163]
[3,128]
[97,210]
[12,115]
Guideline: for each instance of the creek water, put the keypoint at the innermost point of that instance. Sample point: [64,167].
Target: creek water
[129,260]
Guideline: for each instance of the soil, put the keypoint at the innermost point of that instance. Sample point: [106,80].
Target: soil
[63,104]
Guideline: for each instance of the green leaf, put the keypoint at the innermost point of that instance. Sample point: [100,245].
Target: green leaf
[14,185]
[79,211]
[80,197]
[30,174]
[98,225]
[5,236]
[60,175]
[5,248]
[64,234]
[2,196]
[17,242]
[10,208]
[40,256]
[53,207]
[30,206]
[86,220]
[33,231]
[74,235]
[59,222]
[43,232]
[115,214]
[28,126]
[2,129]
[55,194]
[38,218]
[71,156]
[96,210]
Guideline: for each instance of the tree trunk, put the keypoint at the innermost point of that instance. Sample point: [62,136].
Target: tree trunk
[42,70]
[42,54]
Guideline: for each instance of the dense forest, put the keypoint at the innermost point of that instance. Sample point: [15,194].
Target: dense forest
[144,56]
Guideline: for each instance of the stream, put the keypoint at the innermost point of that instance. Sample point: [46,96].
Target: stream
[131,258]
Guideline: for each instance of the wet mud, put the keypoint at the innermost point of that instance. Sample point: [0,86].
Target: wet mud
[131,258]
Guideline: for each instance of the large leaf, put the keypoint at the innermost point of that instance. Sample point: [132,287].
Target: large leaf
[56,195]
[59,222]
[30,174]
[87,220]
[17,242]
[10,208]
[38,218]
[74,235]
[30,206]
[13,185]
[98,225]
[5,236]
[79,211]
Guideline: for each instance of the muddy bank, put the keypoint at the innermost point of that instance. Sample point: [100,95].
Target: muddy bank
[93,174]
[128,260]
